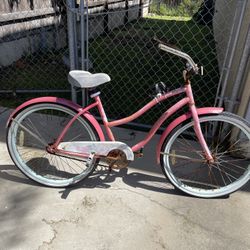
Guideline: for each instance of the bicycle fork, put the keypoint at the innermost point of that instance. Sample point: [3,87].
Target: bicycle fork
[197,126]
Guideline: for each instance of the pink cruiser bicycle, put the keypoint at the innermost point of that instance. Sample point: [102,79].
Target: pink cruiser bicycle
[57,143]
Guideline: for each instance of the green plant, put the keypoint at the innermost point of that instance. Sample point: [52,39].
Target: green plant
[189,7]
[186,8]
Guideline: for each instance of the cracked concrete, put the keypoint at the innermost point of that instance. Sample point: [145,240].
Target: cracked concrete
[134,208]
[47,244]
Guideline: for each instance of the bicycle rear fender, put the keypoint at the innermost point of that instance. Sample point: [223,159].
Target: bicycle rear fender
[179,120]
[64,102]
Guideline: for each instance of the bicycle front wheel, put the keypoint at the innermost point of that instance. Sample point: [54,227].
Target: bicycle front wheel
[38,126]
[183,162]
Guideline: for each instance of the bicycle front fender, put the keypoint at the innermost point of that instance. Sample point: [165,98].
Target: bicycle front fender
[179,120]
[64,102]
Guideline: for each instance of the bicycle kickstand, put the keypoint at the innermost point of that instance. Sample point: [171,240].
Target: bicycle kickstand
[90,159]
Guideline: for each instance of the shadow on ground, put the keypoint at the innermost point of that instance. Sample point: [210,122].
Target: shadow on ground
[15,208]
[99,179]
[103,179]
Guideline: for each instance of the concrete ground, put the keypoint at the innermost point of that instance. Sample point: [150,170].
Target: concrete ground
[134,208]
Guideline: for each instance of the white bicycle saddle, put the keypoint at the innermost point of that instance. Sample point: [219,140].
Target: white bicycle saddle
[84,79]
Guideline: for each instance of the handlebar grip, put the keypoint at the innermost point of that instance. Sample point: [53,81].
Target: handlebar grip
[180,54]
[173,46]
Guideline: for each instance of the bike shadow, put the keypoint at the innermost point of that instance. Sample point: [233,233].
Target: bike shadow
[11,173]
[104,178]
[101,178]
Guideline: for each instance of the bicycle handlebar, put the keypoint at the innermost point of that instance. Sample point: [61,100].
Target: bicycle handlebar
[180,54]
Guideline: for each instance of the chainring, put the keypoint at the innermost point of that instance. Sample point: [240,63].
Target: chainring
[116,159]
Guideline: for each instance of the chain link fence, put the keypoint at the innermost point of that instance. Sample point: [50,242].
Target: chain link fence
[122,44]
[119,39]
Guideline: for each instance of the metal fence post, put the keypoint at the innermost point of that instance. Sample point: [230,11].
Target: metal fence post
[84,44]
[82,10]
[106,18]
[71,41]
[82,34]
[87,35]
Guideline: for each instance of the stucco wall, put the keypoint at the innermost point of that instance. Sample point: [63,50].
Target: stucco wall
[222,24]
[27,27]
[244,107]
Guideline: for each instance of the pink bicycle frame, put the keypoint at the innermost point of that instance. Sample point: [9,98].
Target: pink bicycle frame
[186,100]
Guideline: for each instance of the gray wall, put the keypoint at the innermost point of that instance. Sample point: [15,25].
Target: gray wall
[223,22]
[27,27]
[115,17]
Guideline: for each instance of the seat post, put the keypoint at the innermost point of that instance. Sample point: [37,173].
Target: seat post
[73,94]
[94,92]
[85,99]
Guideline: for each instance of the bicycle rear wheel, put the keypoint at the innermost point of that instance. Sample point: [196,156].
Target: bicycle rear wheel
[38,126]
[183,162]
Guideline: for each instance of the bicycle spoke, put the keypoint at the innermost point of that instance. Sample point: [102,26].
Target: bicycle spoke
[214,178]
[211,179]
[231,146]
[227,152]
[218,144]
[198,170]
[227,174]
[209,175]
[35,129]
[183,157]
[66,162]
[230,163]
[188,148]
[31,133]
